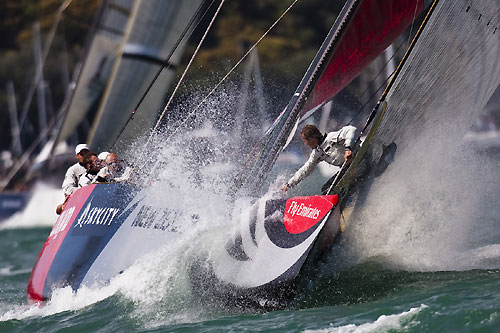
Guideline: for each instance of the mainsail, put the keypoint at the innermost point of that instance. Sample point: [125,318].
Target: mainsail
[446,81]
[152,34]
[101,55]
[363,29]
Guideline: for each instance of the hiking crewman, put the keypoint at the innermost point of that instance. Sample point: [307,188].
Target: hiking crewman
[70,183]
[333,148]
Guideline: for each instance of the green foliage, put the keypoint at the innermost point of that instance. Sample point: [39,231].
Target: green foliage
[17,64]
[284,54]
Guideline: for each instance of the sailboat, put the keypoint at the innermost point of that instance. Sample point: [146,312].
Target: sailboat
[278,241]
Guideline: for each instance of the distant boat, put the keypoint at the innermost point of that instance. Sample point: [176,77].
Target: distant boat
[11,203]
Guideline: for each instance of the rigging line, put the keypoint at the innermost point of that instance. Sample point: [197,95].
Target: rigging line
[400,66]
[380,72]
[413,21]
[166,63]
[370,98]
[39,69]
[76,75]
[367,88]
[385,65]
[185,71]
[232,69]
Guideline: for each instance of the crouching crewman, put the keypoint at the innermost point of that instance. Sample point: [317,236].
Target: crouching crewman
[333,148]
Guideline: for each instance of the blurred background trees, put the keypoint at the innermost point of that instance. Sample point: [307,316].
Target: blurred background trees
[284,55]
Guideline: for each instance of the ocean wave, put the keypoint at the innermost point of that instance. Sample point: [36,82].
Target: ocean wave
[383,323]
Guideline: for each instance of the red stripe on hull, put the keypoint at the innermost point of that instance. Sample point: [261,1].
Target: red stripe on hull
[54,241]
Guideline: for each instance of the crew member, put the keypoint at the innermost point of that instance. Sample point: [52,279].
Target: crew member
[91,162]
[114,171]
[70,183]
[333,148]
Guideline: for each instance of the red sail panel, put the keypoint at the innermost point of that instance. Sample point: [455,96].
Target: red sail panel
[375,26]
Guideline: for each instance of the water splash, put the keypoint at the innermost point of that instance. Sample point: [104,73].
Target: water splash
[430,209]
[40,210]
[401,321]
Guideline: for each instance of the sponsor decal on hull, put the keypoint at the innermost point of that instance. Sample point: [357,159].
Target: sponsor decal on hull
[302,210]
[96,216]
[302,213]
[93,215]
[38,276]
[151,217]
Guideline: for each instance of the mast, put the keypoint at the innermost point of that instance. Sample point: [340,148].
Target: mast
[14,124]
[40,91]
[362,31]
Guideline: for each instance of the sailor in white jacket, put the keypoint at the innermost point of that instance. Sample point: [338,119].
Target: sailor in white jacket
[70,183]
[333,148]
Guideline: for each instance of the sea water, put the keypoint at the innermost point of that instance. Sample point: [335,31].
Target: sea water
[368,297]
[422,255]
[394,277]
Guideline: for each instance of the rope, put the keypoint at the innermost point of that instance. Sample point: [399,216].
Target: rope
[413,21]
[383,68]
[166,64]
[224,78]
[400,66]
[372,83]
[187,68]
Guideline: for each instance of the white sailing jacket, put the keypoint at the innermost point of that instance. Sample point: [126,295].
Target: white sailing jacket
[86,179]
[331,150]
[70,183]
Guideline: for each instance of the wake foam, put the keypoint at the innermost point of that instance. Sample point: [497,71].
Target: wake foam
[384,323]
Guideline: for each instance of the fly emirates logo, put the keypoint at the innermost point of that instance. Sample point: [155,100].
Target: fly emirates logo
[301,210]
[97,215]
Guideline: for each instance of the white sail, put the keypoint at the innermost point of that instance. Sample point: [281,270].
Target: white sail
[152,34]
[102,53]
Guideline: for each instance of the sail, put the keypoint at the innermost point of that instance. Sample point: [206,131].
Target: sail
[363,29]
[154,31]
[101,55]
[374,27]
[447,80]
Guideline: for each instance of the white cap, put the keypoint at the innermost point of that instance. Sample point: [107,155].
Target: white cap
[102,155]
[81,147]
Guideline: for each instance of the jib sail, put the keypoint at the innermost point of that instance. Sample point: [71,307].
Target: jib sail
[363,29]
